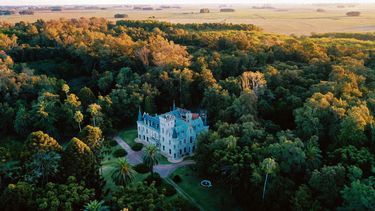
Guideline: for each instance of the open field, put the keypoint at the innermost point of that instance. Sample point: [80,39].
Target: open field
[285,19]
[214,198]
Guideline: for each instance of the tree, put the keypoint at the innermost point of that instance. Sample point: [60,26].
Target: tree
[304,200]
[86,96]
[289,154]
[150,157]
[94,110]
[122,173]
[78,160]
[269,166]
[39,142]
[78,117]
[69,196]
[42,166]
[92,137]
[96,206]
[17,197]
[105,81]
[166,53]
[22,122]
[327,183]
[253,81]
[359,196]
[65,88]
[138,197]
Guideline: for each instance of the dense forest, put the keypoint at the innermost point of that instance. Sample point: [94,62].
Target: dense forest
[291,118]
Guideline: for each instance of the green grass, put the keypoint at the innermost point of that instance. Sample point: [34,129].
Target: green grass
[214,198]
[163,160]
[129,135]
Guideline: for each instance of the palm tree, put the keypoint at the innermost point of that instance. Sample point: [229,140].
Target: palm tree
[78,117]
[150,157]
[42,166]
[96,206]
[122,173]
[94,110]
[268,166]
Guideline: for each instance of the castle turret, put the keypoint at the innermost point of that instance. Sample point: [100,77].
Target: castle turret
[140,114]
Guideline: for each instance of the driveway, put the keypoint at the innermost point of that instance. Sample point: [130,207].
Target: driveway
[135,158]
[167,169]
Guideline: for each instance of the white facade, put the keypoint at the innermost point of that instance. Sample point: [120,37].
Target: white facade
[174,133]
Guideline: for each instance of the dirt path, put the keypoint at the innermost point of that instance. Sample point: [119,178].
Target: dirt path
[135,158]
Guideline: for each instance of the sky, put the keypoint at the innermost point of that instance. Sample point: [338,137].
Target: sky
[91,2]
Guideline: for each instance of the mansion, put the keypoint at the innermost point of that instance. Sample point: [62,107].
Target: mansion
[174,133]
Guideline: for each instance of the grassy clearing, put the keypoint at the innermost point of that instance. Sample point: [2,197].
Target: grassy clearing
[129,135]
[214,198]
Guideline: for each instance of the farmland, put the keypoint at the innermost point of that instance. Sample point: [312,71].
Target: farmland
[284,19]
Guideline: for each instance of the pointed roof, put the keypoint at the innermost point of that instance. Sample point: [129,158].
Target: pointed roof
[139,114]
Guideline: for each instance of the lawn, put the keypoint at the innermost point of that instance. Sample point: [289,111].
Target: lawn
[214,198]
[129,135]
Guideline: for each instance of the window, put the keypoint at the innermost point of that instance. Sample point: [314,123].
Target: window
[191,139]
[170,151]
[180,152]
[193,148]
[184,149]
[163,147]
[174,155]
[147,139]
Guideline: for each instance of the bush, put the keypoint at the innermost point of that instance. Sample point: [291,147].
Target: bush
[112,143]
[119,153]
[137,146]
[155,177]
[177,179]
[169,189]
[141,168]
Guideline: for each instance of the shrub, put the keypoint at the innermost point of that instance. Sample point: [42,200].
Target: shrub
[137,146]
[169,189]
[113,143]
[155,177]
[177,179]
[141,168]
[119,153]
